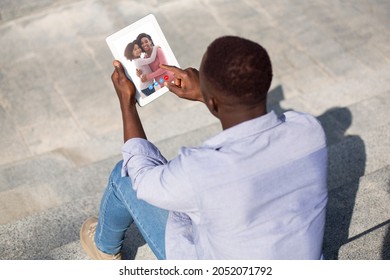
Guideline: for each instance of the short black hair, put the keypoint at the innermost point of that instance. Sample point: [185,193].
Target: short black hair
[238,67]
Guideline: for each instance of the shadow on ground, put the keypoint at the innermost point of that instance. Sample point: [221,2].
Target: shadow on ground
[386,245]
[133,241]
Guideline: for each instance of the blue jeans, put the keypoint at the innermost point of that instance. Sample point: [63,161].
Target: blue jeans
[119,208]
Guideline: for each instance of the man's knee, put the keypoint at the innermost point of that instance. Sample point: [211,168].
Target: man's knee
[116,173]
[118,181]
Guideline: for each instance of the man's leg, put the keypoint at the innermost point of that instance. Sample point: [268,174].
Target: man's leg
[119,209]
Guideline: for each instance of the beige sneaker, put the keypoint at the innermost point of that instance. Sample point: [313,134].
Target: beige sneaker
[87,236]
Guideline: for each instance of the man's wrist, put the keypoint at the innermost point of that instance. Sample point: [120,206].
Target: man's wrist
[128,106]
[132,127]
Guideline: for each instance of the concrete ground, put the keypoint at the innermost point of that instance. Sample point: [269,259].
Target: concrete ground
[61,130]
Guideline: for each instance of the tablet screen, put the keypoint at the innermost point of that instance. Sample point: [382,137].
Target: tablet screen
[141,47]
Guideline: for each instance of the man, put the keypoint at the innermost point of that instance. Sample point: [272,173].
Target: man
[257,190]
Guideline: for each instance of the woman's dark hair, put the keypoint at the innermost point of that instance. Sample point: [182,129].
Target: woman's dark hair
[142,35]
[129,50]
[238,67]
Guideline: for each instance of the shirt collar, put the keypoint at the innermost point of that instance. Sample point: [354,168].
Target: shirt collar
[245,129]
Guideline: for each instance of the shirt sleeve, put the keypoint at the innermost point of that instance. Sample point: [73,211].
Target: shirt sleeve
[157,181]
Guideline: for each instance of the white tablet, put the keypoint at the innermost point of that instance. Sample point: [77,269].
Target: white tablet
[141,47]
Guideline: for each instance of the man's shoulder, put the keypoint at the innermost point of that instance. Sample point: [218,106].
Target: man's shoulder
[302,118]
[297,114]
[306,127]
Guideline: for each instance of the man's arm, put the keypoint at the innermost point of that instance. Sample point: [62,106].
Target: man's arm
[161,183]
[125,89]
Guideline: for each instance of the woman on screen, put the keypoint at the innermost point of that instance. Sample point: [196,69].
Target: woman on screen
[133,53]
[159,75]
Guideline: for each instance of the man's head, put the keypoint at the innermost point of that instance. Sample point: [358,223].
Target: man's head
[236,71]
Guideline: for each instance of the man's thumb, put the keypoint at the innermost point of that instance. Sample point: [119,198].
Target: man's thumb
[118,66]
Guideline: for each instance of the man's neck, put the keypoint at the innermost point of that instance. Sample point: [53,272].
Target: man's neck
[231,116]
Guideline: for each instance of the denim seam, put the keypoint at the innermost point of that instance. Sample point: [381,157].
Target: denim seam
[110,185]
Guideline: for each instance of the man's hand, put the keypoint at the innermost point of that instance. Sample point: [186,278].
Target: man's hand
[132,127]
[186,83]
[123,86]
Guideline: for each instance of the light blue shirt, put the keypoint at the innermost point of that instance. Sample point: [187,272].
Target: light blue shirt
[254,191]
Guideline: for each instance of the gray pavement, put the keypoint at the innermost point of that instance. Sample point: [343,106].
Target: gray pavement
[61,126]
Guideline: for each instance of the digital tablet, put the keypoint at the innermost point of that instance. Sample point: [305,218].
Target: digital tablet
[141,47]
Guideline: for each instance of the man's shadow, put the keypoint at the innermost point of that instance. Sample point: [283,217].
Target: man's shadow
[133,241]
[386,246]
[346,164]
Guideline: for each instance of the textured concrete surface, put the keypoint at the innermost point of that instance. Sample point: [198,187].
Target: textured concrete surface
[61,127]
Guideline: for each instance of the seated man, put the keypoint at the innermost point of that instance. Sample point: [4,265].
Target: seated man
[257,190]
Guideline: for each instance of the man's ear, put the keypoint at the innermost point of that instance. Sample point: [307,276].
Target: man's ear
[212,104]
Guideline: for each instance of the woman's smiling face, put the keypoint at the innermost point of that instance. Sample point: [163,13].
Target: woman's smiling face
[146,44]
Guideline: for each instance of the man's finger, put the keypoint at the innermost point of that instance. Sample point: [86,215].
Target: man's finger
[175,70]
[177,81]
[174,88]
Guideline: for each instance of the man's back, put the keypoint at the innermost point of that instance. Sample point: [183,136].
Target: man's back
[260,189]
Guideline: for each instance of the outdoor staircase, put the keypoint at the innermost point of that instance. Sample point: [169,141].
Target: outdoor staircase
[61,130]
[52,197]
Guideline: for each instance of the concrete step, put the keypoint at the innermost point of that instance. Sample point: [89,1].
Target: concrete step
[50,231]
[358,217]
[48,181]
[35,236]
[54,234]
[372,244]
[358,155]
